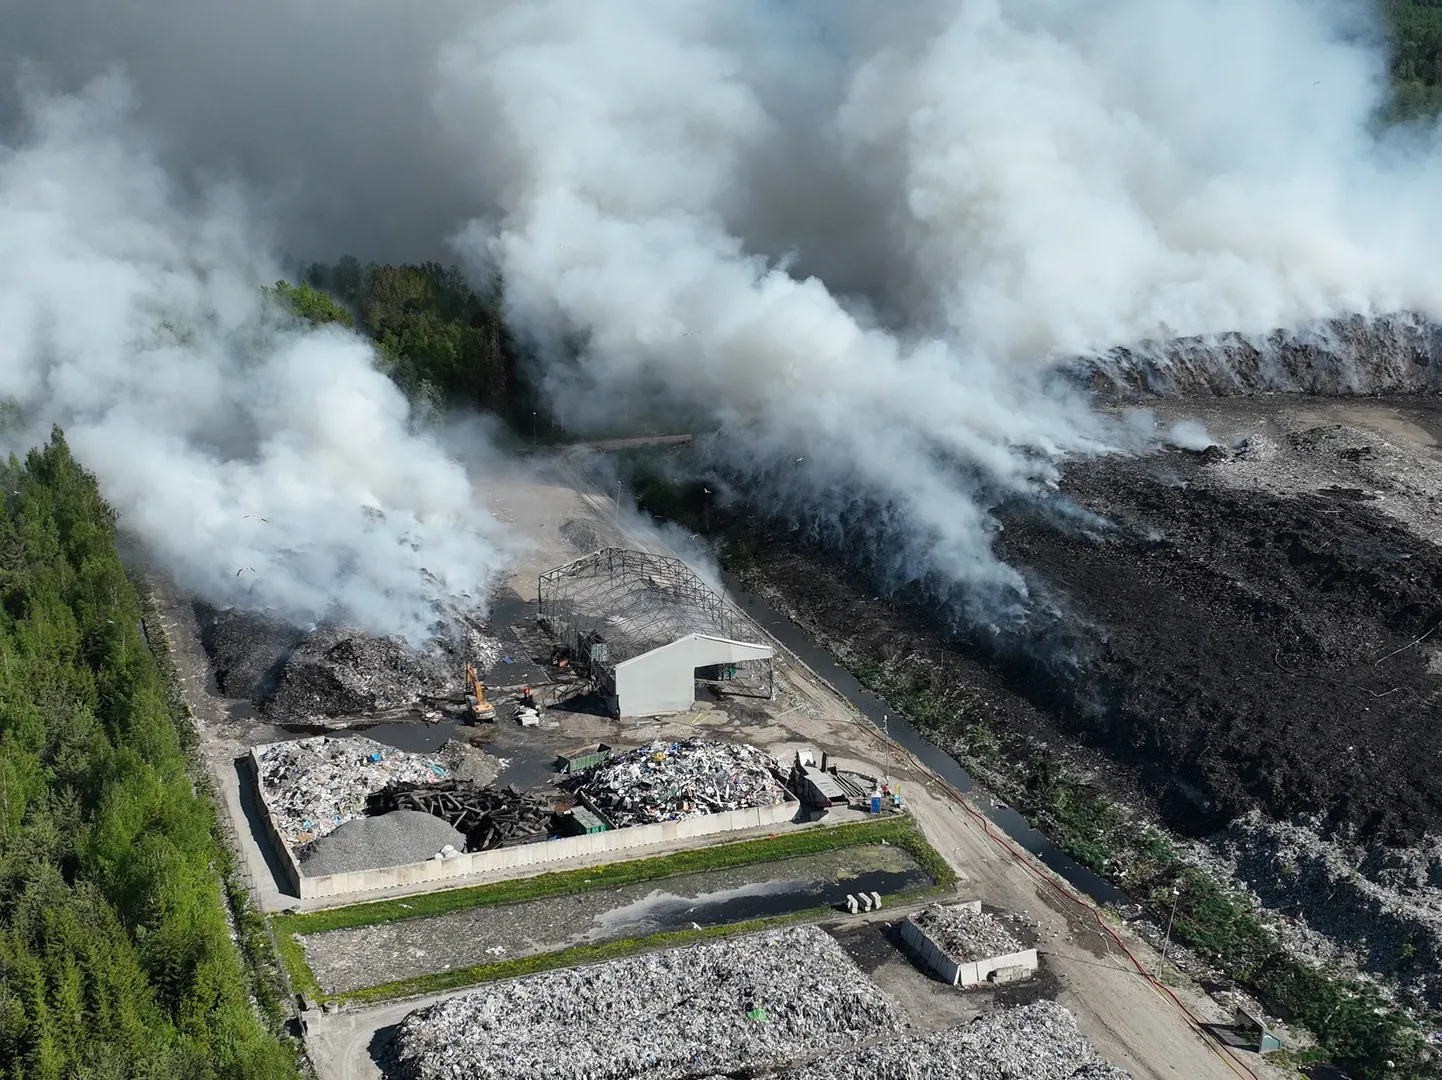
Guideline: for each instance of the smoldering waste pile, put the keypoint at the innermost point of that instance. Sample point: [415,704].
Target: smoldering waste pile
[335,670]
[965,935]
[313,786]
[1035,1042]
[767,998]
[666,781]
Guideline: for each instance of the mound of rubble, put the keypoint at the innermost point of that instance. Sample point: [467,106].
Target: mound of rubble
[313,786]
[666,781]
[965,935]
[1038,1042]
[746,1002]
[366,843]
[247,652]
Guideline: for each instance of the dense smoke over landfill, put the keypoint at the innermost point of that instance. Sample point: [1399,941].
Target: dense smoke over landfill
[266,465]
[859,237]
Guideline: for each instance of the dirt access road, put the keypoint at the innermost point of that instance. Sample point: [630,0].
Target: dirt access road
[1131,1022]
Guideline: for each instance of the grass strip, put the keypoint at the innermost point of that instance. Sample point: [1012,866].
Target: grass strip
[901,832]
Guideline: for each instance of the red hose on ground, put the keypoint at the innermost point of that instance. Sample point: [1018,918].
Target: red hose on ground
[1225,1053]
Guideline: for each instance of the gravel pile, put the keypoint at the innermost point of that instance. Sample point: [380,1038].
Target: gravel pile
[765,999]
[1035,1042]
[669,780]
[313,786]
[965,935]
[366,843]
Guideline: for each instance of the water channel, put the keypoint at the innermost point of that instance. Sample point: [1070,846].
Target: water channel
[904,734]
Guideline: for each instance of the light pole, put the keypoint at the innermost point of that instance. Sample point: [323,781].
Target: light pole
[886,729]
[533,429]
[618,503]
[1167,941]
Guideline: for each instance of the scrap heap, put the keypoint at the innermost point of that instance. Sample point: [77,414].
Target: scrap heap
[1039,1042]
[746,1002]
[313,786]
[488,817]
[666,781]
[965,935]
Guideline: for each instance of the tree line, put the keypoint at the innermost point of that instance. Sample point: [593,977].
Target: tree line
[116,954]
[1415,33]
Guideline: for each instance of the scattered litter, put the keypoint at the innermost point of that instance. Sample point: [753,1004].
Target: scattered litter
[753,1001]
[315,785]
[666,781]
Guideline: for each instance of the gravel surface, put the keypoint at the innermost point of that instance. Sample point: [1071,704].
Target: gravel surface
[767,998]
[361,956]
[1034,1042]
[965,935]
[315,785]
[665,781]
[394,839]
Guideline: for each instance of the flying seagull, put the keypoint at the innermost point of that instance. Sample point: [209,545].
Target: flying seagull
[258,518]
[243,569]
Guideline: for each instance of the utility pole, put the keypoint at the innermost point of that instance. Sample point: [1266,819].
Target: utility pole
[886,729]
[533,429]
[1167,941]
[618,503]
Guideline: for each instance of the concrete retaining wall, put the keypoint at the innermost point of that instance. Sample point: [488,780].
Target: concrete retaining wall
[546,851]
[994,969]
[279,846]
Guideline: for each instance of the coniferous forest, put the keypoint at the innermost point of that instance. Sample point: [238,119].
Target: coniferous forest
[116,954]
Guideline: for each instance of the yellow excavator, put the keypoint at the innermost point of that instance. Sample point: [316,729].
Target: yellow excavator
[481,709]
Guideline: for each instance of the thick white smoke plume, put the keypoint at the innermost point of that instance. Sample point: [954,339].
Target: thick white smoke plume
[860,237]
[1001,185]
[266,464]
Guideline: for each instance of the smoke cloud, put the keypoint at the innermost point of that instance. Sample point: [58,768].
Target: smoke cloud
[267,465]
[862,240]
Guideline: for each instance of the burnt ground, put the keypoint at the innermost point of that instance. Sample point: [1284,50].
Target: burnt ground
[1219,643]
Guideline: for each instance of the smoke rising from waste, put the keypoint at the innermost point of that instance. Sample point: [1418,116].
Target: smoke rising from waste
[860,238]
[266,464]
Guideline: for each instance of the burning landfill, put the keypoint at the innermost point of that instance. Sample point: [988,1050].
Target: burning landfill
[667,781]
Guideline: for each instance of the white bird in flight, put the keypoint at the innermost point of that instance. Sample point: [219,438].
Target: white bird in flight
[243,569]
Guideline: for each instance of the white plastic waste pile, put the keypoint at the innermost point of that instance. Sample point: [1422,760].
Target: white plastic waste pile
[965,935]
[754,1001]
[666,781]
[315,785]
[1034,1042]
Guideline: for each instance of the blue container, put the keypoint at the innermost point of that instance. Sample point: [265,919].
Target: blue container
[876,804]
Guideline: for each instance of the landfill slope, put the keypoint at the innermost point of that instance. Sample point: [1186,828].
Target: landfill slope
[666,781]
[1038,1042]
[248,652]
[748,1002]
[394,839]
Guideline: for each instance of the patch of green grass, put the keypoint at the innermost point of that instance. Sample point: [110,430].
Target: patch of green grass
[901,832]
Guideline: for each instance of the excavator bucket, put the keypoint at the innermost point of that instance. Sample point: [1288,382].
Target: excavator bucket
[476,696]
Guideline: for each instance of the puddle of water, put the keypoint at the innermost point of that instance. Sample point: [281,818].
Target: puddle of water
[661,910]
[904,734]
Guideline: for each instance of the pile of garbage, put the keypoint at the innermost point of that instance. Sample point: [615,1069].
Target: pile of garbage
[313,786]
[746,1002]
[666,781]
[965,934]
[1039,1042]
[368,843]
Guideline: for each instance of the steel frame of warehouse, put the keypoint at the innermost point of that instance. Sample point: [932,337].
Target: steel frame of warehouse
[616,604]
